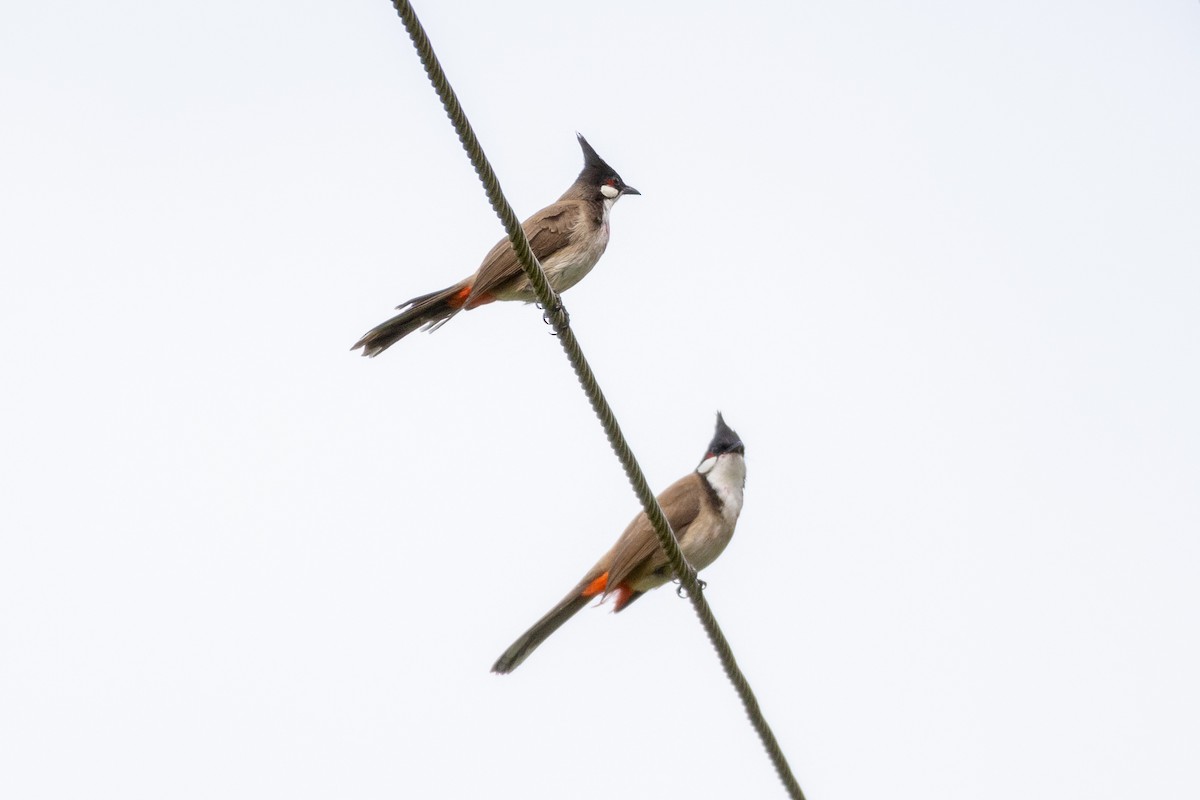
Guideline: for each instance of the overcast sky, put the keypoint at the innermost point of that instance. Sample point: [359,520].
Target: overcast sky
[937,262]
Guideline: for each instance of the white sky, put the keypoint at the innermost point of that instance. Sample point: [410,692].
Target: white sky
[937,262]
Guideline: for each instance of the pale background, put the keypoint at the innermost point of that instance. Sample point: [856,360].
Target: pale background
[937,262]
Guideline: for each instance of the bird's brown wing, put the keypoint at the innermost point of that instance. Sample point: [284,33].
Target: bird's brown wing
[637,552]
[548,231]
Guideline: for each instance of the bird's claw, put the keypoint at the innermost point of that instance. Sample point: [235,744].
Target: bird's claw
[557,311]
[682,592]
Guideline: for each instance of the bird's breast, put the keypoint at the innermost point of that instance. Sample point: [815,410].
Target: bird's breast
[569,265]
[706,539]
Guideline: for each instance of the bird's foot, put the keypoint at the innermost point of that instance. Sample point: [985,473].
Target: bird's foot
[682,592]
[557,312]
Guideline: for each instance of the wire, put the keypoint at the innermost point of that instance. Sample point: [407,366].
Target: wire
[556,315]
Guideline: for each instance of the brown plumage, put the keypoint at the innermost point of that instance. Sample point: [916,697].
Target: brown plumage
[567,237]
[702,508]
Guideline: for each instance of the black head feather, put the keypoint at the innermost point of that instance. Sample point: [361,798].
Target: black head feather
[597,171]
[725,440]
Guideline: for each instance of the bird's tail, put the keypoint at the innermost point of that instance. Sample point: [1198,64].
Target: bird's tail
[541,630]
[429,311]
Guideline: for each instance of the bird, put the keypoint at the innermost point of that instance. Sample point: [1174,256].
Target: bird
[702,508]
[567,237]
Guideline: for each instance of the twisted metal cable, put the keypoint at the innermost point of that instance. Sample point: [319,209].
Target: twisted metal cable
[556,315]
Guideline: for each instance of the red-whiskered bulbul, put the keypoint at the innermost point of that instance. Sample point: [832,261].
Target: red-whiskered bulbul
[703,510]
[567,237]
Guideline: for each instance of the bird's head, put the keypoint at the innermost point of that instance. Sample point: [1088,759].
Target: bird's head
[599,177]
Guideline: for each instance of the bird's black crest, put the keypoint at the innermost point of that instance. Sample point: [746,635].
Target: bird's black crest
[725,440]
[595,168]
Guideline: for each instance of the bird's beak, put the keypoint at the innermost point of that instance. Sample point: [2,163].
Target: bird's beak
[630,190]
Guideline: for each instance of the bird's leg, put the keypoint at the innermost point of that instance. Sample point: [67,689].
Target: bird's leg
[682,592]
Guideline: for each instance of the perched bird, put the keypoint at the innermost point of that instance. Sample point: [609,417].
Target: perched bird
[567,237]
[703,510]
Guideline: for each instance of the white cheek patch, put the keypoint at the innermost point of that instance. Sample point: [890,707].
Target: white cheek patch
[610,192]
[707,465]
